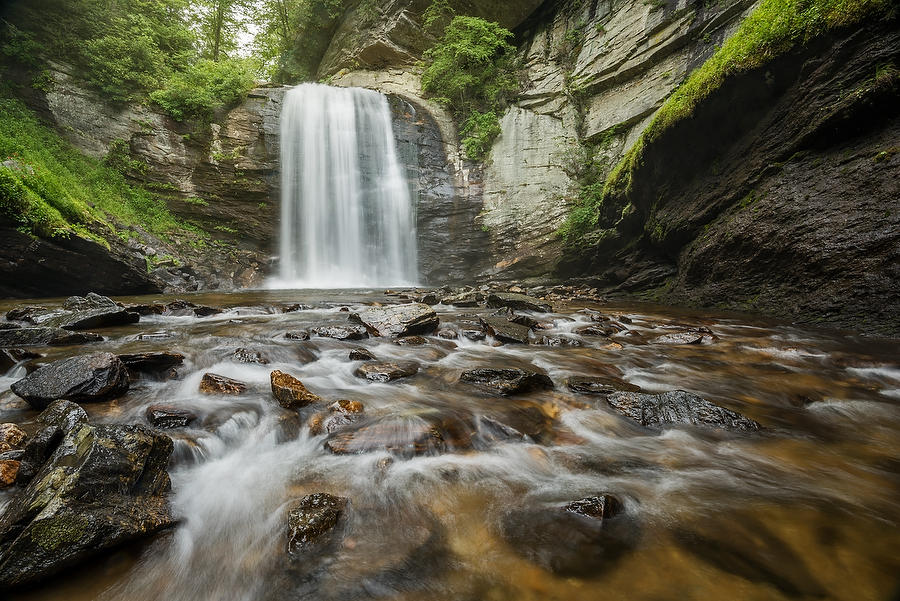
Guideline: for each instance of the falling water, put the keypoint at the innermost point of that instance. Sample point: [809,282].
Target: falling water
[347,218]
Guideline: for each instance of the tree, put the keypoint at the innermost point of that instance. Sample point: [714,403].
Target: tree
[219,22]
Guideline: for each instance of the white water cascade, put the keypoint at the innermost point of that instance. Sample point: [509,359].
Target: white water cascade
[347,217]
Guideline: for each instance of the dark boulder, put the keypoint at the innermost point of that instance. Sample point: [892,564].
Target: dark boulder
[398,320]
[167,417]
[312,520]
[386,371]
[361,354]
[603,385]
[184,308]
[517,302]
[41,336]
[506,331]
[153,362]
[85,378]
[507,381]
[91,311]
[216,384]
[341,332]
[102,486]
[677,407]
[290,392]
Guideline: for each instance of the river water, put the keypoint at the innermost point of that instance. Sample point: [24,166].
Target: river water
[807,509]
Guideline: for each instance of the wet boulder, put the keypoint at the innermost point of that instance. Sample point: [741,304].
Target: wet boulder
[182,308]
[55,422]
[312,521]
[675,408]
[9,468]
[152,363]
[44,336]
[507,381]
[398,320]
[506,331]
[339,415]
[361,354]
[517,302]
[341,332]
[580,539]
[601,385]
[411,341]
[290,392]
[103,486]
[215,384]
[167,417]
[386,371]
[9,357]
[91,311]
[85,378]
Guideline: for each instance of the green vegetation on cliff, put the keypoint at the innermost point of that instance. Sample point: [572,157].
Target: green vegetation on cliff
[471,70]
[49,189]
[774,28]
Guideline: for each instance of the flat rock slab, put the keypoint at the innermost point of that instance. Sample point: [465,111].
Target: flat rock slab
[167,417]
[386,371]
[518,302]
[398,320]
[341,332]
[290,392]
[675,408]
[216,384]
[506,331]
[602,385]
[312,520]
[45,336]
[153,362]
[507,381]
[86,378]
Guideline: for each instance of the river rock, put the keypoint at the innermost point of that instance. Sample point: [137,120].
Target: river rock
[400,436]
[466,299]
[85,378]
[55,422]
[9,357]
[386,371]
[339,415]
[152,362]
[361,354]
[341,332]
[507,381]
[524,320]
[297,335]
[559,340]
[677,407]
[103,486]
[411,341]
[602,385]
[216,384]
[182,308]
[312,520]
[290,392]
[596,330]
[11,437]
[42,336]
[600,507]
[167,417]
[398,320]
[9,468]
[691,337]
[250,355]
[518,302]
[91,311]
[506,331]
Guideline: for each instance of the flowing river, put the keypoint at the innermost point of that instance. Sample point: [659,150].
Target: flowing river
[808,508]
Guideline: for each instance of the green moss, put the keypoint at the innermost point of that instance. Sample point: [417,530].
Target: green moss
[772,29]
[59,530]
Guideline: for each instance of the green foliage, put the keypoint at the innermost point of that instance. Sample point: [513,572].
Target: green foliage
[51,189]
[472,71]
[437,17]
[772,29]
[203,87]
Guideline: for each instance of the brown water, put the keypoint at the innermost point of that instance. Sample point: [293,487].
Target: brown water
[806,510]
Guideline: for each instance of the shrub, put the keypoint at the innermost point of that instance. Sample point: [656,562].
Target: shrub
[203,87]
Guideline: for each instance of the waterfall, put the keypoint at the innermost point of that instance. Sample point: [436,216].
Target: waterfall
[347,217]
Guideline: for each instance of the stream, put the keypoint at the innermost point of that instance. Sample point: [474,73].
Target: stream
[806,508]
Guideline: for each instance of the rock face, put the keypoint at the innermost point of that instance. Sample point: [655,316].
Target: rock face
[312,519]
[290,392]
[86,378]
[507,381]
[102,486]
[398,320]
[677,408]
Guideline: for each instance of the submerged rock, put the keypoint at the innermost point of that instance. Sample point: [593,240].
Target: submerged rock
[167,416]
[86,378]
[386,371]
[601,507]
[43,336]
[361,354]
[398,320]
[519,302]
[312,520]
[102,486]
[401,436]
[341,332]
[506,331]
[507,381]
[340,414]
[290,392]
[216,384]
[677,407]
[603,385]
